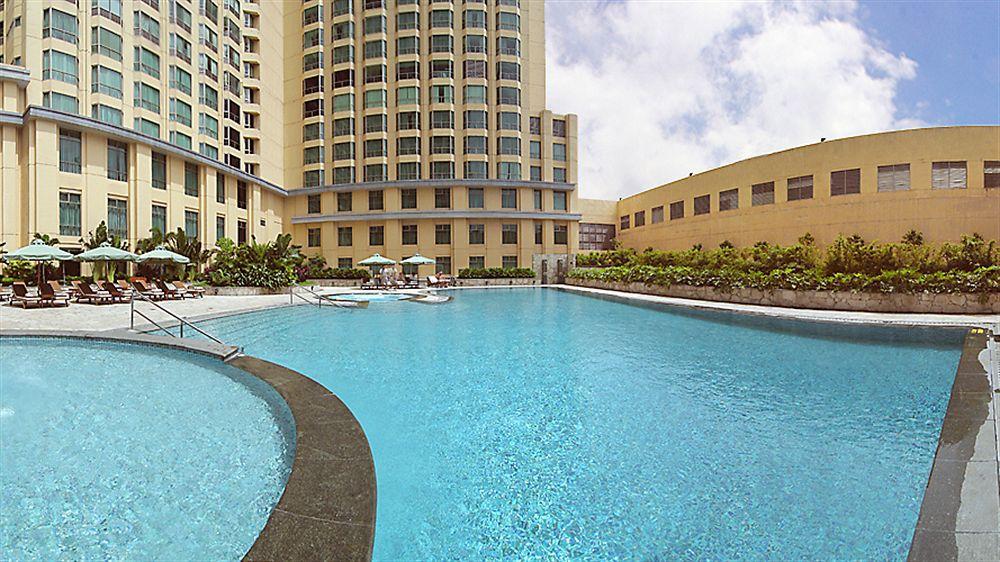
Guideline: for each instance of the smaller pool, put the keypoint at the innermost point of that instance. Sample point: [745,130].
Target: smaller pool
[373,296]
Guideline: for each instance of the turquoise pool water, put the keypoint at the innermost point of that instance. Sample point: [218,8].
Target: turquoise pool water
[513,424]
[371,296]
[112,451]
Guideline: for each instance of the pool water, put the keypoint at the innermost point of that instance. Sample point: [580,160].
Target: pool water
[113,451]
[533,423]
[371,297]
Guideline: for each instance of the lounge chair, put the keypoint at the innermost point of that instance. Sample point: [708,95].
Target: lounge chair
[145,290]
[116,294]
[373,283]
[21,297]
[124,286]
[433,281]
[59,289]
[411,282]
[50,297]
[84,292]
[189,289]
[168,291]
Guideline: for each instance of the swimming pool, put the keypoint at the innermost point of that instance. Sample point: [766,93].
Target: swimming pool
[113,451]
[372,296]
[533,423]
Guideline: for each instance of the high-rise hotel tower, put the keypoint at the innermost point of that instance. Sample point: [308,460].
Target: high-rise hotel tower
[360,126]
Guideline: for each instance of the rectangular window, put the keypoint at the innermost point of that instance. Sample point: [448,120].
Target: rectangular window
[69,214]
[537,195]
[657,215]
[104,80]
[344,263]
[800,188]
[624,222]
[106,43]
[477,262]
[991,174]
[477,234]
[509,262]
[70,151]
[702,205]
[180,111]
[442,265]
[442,198]
[344,202]
[845,182]
[508,234]
[220,227]
[345,236]
[476,198]
[408,198]
[895,177]
[191,224]
[538,233]
[106,114]
[729,199]
[948,175]
[676,210]
[60,102]
[117,161]
[560,234]
[313,204]
[159,166]
[59,25]
[376,235]
[313,237]
[190,179]
[118,218]
[147,61]
[409,234]
[762,194]
[476,170]
[146,96]
[640,218]
[60,66]
[241,231]
[159,219]
[559,200]
[241,194]
[220,187]
[508,198]
[442,234]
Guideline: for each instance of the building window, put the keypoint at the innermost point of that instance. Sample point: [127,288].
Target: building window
[442,198]
[442,234]
[117,161]
[220,187]
[508,234]
[477,234]
[345,236]
[895,177]
[476,199]
[800,188]
[313,204]
[344,263]
[442,264]
[69,214]
[845,182]
[657,216]
[729,199]
[508,171]
[640,218]
[762,194]
[159,218]
[559,200]
[409,234]
[241,231]
[118,218]
[676,210]
[948,175]
[60,66]
[70,151]
[344,202]
[376,235]
[477,262]
[475,170]
[60,102]
[624,222]
[991,174]
[376,200]
[560,234]
[509,262]
[191,224]
[408,198]
[220,227]
[190,179]
[702,204]
[106,114]
[535,173]
[241,194]
[538,233]
[60,25]
[508,198]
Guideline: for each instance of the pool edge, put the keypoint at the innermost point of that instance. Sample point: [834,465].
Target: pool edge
[959,515]
[327,508]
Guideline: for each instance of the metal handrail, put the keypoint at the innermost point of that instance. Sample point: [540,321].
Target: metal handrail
[182,321]
[291,294]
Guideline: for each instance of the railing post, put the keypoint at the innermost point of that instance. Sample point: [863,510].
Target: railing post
[131,315]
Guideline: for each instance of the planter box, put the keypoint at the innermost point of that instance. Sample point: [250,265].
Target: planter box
[924,303]
[499,281]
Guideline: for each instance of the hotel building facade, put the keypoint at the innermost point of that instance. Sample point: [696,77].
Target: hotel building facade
[358,126]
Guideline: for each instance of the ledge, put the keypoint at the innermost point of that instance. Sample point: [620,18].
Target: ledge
[327,509]
[435,214]
[407,184]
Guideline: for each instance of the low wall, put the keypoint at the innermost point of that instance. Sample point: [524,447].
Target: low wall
[502,281]
[336,282]
[243,291]
[927,303]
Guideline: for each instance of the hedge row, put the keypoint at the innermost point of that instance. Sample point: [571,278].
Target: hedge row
[497,273]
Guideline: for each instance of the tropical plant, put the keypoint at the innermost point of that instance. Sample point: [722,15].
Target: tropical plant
[270,264]
[497,273]
[48,240]
[94,239]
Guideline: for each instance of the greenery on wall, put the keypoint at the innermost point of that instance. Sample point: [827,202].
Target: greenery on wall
[314,267]
[270,264]
[497,273]
[848,264]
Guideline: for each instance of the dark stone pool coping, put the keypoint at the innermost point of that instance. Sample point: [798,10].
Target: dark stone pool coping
[327,510]
[960,514]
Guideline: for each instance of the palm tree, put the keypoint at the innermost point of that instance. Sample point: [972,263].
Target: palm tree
[188,246]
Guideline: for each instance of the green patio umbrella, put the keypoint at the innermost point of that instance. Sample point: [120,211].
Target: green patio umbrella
[107,253]
[40,252]
[377,259]
[417,259]
[161,255]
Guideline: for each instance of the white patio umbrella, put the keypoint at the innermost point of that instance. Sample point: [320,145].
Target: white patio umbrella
[161,255]
[107,253]
[39,251]
[377,259]
[418,260]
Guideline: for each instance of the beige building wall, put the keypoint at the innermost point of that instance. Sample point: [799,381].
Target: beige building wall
[940,214]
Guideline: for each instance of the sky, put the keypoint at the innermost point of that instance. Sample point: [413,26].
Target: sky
[665,89]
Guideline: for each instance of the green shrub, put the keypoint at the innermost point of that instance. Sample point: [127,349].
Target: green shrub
[271,265]
[497,273]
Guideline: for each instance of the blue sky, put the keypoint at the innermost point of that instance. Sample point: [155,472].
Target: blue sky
[663,89]
[956,46]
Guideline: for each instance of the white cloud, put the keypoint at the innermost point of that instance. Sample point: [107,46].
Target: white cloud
[664,89]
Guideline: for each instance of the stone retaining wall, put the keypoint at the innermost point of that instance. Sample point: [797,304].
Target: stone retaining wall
[337,282]
[927,303]
[244,291]
[502,281]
